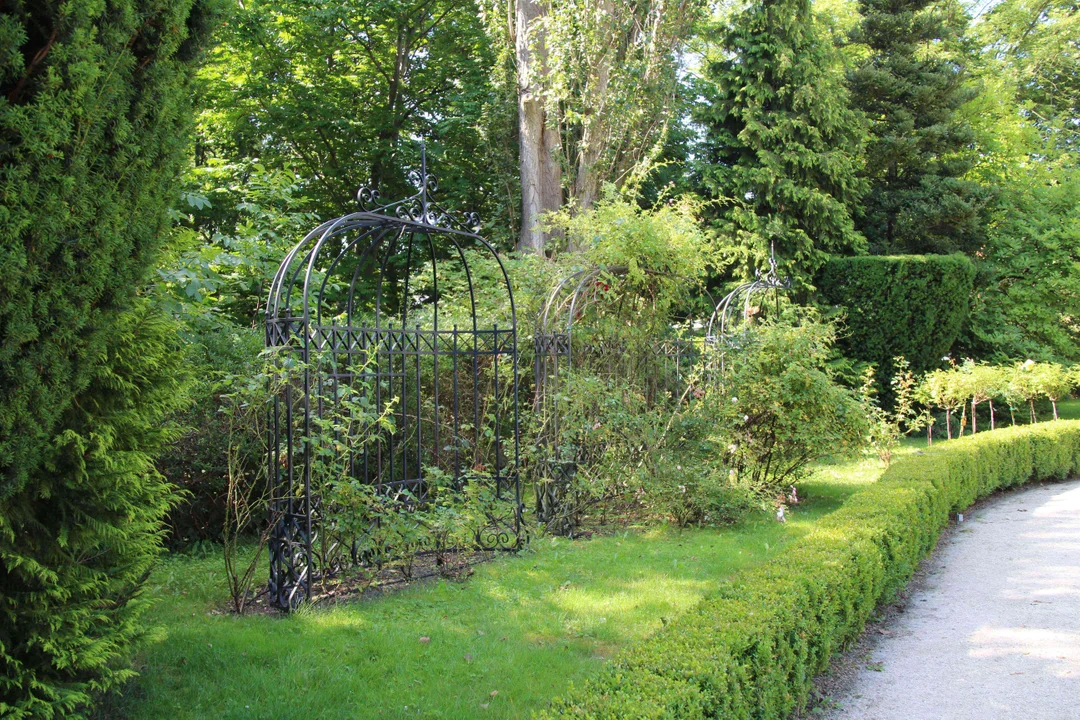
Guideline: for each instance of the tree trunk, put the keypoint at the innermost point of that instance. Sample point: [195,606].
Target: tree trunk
[991,414]
[541,176]
[595,134]
[948,423]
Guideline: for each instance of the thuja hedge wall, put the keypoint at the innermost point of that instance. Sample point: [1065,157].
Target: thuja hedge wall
[752,649]
[910,305]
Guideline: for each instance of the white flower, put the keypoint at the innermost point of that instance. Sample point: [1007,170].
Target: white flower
[732,448]
[734,399]
[746,418]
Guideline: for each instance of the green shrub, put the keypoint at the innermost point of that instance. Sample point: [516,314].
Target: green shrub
[909,305]
[220,353]
[777,406]
[94,108]
[76,546]
[753,648]
[94,105]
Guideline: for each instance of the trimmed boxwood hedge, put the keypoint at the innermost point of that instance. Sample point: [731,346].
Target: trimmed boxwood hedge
[910,305]
[752,649]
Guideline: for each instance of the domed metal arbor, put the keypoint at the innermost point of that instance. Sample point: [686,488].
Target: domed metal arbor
[564,343]
[664,365]
[384,384]
[731,319]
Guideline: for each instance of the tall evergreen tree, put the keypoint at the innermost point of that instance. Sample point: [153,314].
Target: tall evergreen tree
[781,151]
[94,109]
[910,86]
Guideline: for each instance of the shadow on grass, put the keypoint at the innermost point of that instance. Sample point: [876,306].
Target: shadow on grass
[501,644]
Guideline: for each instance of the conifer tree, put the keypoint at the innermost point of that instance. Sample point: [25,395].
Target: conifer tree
[781,148]
[94,108]
[910,86]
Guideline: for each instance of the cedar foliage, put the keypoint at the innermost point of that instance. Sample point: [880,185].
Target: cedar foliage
[782,149]
[911,306]
[94,109]
[76,547]
[910,87]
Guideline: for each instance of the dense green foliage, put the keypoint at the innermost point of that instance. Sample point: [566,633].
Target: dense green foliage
[94,112]
[910,306]
[782,147]
[1026,302]
[94,108]
[336,93]
[78,544]
[1034,44]
[910,86]
[752,649]
[778,406]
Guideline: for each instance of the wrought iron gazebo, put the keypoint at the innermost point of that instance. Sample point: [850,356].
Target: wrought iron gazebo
[385,384]
[661,364]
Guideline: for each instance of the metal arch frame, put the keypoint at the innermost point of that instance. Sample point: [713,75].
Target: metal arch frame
[553,345]
[723,315]
[372,237]
[770,280]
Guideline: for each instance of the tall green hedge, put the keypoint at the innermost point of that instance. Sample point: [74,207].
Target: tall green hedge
[94,112]
[910,305]
[751,651]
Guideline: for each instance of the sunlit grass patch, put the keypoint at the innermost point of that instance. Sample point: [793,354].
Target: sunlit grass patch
[500,644]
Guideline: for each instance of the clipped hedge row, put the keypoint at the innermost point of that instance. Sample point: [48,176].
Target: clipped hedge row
[753,649]
[910,305]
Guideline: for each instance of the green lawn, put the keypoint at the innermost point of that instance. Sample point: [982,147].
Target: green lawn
[515,634]
[502,643]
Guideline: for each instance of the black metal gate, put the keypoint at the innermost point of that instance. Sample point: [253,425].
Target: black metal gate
[383,387]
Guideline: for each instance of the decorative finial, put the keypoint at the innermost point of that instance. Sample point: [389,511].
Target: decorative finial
[420,207]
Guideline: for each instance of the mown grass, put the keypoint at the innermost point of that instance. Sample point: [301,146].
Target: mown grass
[501,644]
[520,631]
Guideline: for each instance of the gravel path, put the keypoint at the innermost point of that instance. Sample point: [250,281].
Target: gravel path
[994,629]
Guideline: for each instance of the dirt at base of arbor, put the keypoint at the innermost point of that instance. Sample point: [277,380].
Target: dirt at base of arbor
[362,583]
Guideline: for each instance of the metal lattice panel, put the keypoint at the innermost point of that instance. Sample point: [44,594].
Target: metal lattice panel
[563,344]
[731,319]
[358,324]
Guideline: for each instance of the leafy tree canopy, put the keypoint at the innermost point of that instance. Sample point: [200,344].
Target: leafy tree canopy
[910,86]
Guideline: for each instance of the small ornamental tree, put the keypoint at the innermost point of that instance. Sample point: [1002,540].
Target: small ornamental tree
[941,387]
[782,149]
[980,383]
[1024,384]
[1053,382]
[887,426]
